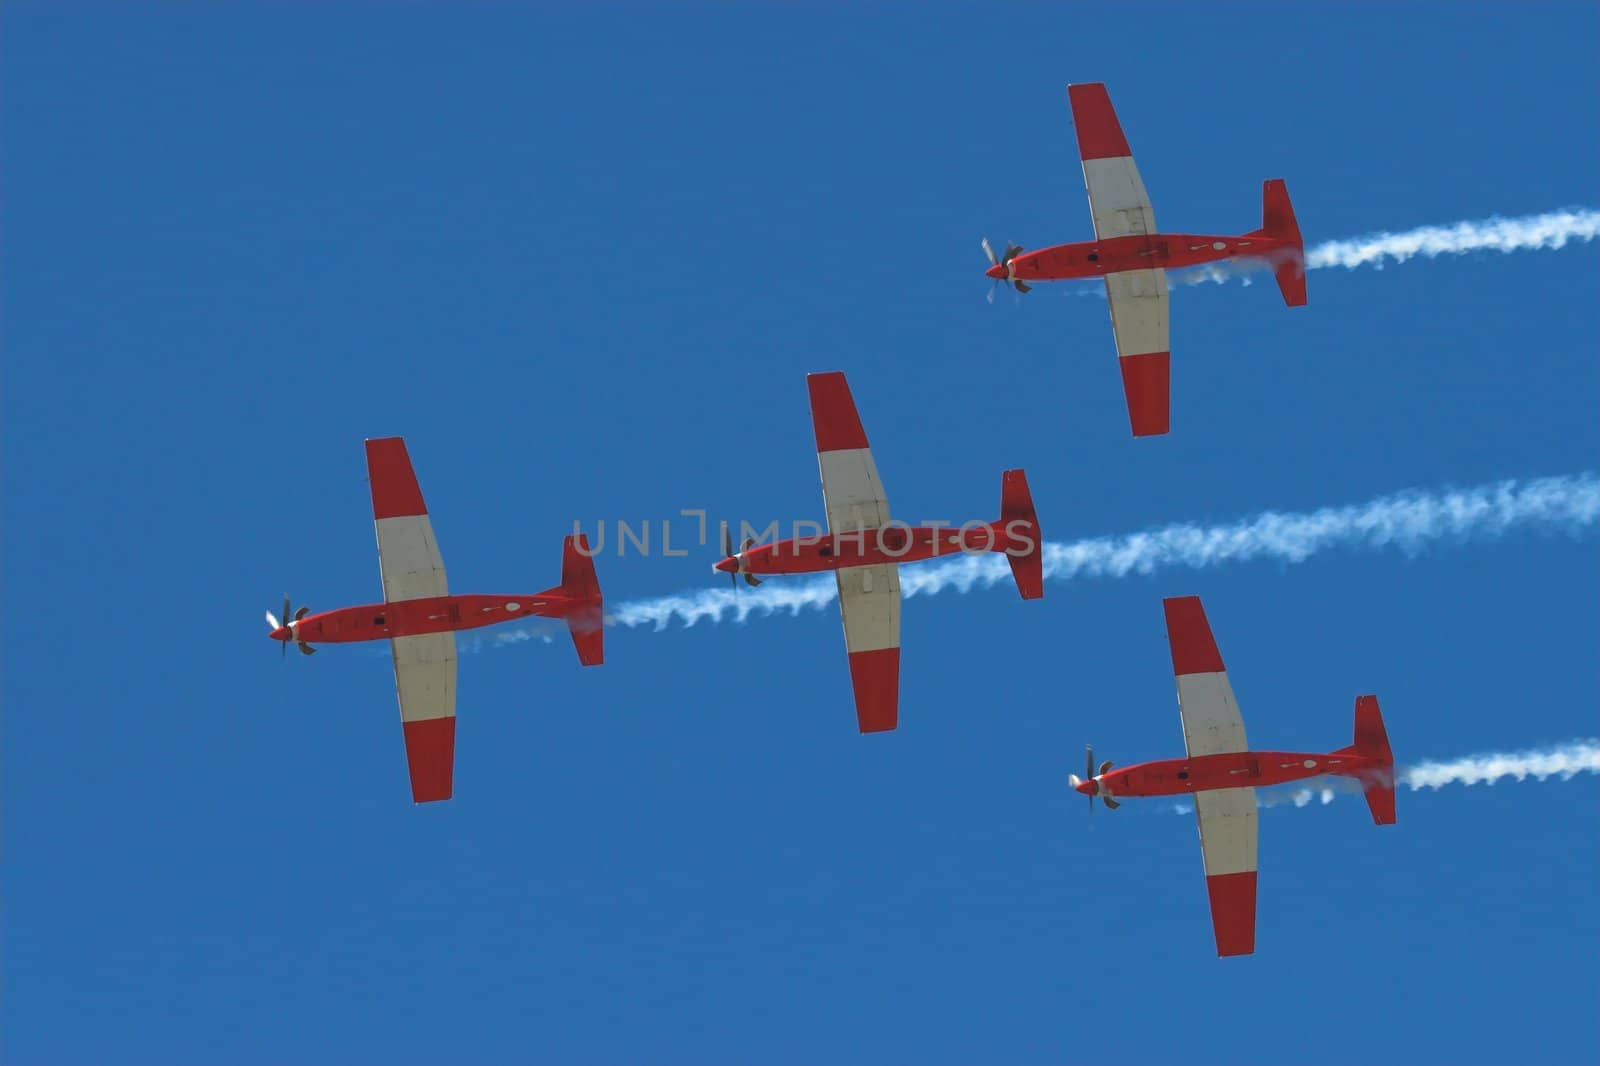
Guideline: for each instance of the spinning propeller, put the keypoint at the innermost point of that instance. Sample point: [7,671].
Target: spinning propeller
[289,624]
[1012,251]
[1089,775]
[738,557]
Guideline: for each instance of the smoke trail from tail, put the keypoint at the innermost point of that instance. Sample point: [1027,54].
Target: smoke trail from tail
[1562,761]
[1410,521]
[1550,230]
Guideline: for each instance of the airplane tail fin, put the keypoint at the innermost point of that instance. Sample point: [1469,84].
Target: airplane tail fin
[578,580]
[1023,542]
[1372,742]
[1278,222]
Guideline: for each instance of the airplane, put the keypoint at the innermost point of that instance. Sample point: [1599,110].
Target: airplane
[864,549]
[1222,773]
[1133,256]
[420,618]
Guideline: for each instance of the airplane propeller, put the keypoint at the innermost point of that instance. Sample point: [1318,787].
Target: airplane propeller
[1089,774]
[272,620]
[1012,251]
[727,550]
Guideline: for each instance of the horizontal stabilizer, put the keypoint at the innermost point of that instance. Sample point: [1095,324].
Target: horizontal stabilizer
[1372,742]
[579,581]
[1025,543]
[1278,222]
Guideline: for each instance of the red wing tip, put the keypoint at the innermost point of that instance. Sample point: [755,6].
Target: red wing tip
[1147,383]
[875,677]
[1233,912]
[1099,132]
[395,492]
[1194,650]
[431,756]
[833,413]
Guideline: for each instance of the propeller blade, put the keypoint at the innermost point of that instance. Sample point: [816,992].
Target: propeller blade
[988,251]
[991,292]
[1088,774]
[305,649]
[1109,802]
[1104,767]
[1022,286]
[751,580]
[727,542]
[273,622]
[285,614]
[301,613]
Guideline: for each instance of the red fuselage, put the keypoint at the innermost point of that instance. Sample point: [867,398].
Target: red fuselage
[1168,251]
[411,618]
[891,544]
[1245,769]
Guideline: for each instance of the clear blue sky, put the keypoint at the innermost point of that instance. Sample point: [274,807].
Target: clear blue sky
[582,263]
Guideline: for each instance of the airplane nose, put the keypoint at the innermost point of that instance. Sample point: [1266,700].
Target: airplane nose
[1088,788]
[281,633]
[998,272]
[726,566]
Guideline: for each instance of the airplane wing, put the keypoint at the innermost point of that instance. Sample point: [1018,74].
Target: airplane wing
[1212,726]
[869,596]
[1138,298]
[1117,200]
[425,666]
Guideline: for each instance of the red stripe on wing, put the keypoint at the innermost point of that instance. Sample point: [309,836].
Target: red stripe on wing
[833,413]
[431,753]
[1233,912]
[1099,132]
[395,492]
[1194,650]
[875,675]
[1147,382]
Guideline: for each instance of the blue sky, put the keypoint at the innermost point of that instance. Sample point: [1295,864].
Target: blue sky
[582,262]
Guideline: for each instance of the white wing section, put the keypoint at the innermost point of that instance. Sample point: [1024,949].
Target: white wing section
[1117,200]
[1227,820]
[851,491]
[425,676]
[1211,721]
[1139,316]
[409,559]
[869,599]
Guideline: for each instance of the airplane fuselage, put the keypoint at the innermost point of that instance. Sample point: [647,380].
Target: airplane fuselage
[412,618]
[1167,251]
[1245,769]
[890,544]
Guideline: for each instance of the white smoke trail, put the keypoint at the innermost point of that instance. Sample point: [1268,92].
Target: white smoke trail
[1550,230]
[1410,521]
[1563,761]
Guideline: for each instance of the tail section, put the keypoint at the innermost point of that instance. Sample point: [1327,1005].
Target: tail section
[1024,543]
[1278,222]
[578,580]
[1372,742]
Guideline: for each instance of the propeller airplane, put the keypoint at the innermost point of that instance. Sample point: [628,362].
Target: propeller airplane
[1222,774]
[864,549]
[420,618]
[1133,256]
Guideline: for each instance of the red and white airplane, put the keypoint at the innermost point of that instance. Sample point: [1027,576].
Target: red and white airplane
[1222,774]
[864,549]
[1133,256]
[419,617]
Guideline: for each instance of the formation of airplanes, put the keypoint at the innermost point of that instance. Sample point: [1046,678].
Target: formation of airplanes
[864,549]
